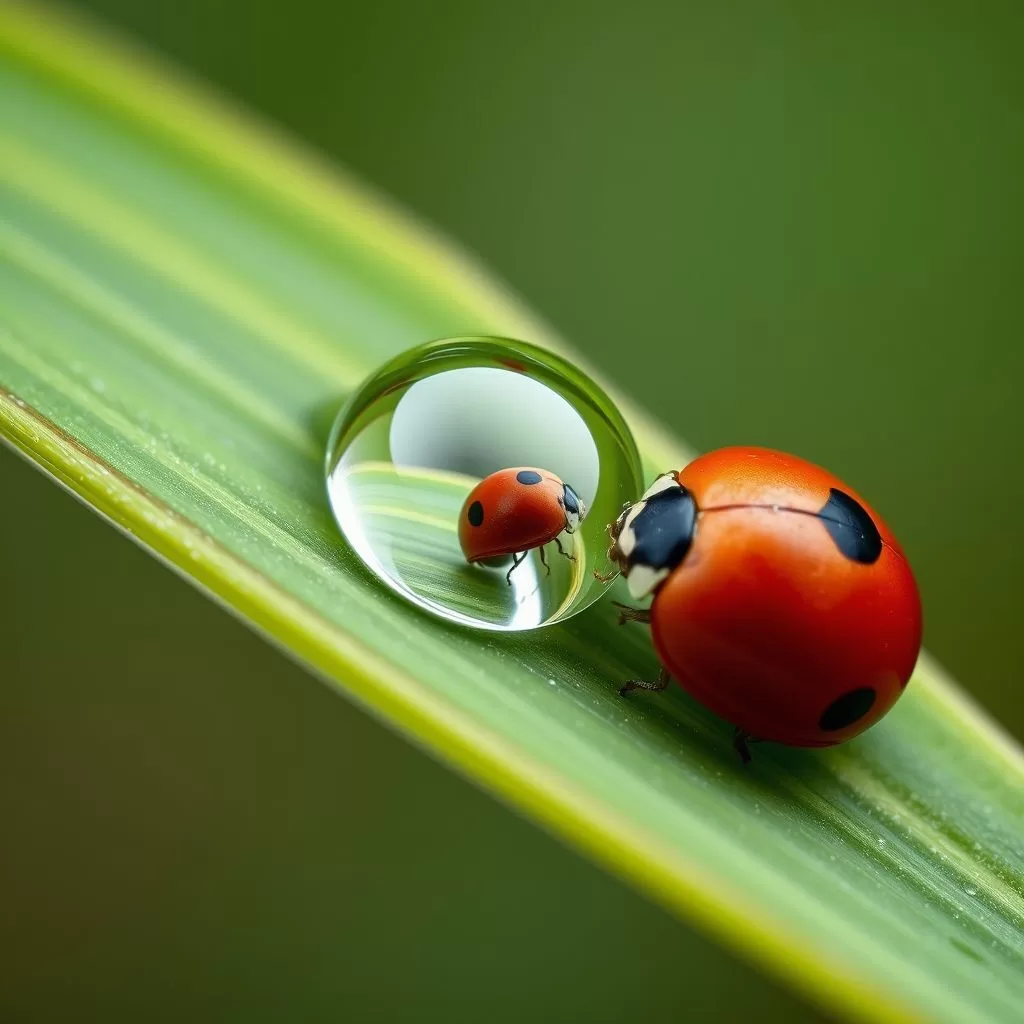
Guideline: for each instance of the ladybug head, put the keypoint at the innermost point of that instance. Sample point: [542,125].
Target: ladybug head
[651,537]
[575,510]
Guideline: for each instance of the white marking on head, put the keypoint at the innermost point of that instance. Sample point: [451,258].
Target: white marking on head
[662,483]
[643,579]
[575,510]
[573,519]
[627,535]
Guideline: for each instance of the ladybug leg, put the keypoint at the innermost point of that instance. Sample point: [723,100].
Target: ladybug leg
[516,561]
[740,739]
[645,684]
[562,551]
[627,614]
[544,560]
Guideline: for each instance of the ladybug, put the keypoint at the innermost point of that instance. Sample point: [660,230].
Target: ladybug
[516,510]
[780,600]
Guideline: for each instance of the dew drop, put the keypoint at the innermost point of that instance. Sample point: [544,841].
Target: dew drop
[420,434]
[412,445]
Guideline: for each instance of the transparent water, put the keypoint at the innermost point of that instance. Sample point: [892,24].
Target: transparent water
[422,432]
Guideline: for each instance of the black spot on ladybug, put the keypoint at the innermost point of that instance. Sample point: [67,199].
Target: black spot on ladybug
[664,529]
[846,710]
[475,515]
[528,476]
[851,528]
[570,501]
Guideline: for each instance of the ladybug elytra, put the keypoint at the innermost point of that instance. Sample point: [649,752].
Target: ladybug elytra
[780,600]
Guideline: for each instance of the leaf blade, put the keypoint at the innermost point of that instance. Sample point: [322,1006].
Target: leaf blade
[190,426]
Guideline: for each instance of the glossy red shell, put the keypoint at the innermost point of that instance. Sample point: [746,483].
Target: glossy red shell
[767,622]
[513,516]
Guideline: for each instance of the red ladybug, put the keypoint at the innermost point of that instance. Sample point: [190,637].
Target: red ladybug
[781,601]
[515,510]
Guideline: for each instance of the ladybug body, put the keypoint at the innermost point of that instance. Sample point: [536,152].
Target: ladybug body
[779,599]
[516,510]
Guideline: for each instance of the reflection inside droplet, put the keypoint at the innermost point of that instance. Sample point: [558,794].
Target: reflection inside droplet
[530,433]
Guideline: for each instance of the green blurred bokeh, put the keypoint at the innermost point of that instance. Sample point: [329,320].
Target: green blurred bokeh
[772,224]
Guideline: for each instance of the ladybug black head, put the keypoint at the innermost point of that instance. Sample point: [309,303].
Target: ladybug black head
[653,536]
[575,510]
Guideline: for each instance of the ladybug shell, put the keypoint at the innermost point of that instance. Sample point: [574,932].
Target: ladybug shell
[790,626]
[510,511]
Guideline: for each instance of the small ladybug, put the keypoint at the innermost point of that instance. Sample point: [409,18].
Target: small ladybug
[516,510]
[781,601]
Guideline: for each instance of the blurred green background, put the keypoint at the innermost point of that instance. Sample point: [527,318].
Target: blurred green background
[769,223]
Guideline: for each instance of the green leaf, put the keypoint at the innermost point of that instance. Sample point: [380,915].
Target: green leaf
[181,297]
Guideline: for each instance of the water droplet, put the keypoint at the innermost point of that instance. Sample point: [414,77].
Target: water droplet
[423,432]
[970,891]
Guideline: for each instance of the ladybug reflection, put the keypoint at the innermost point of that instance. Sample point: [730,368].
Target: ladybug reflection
[513,511]
[780,600]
